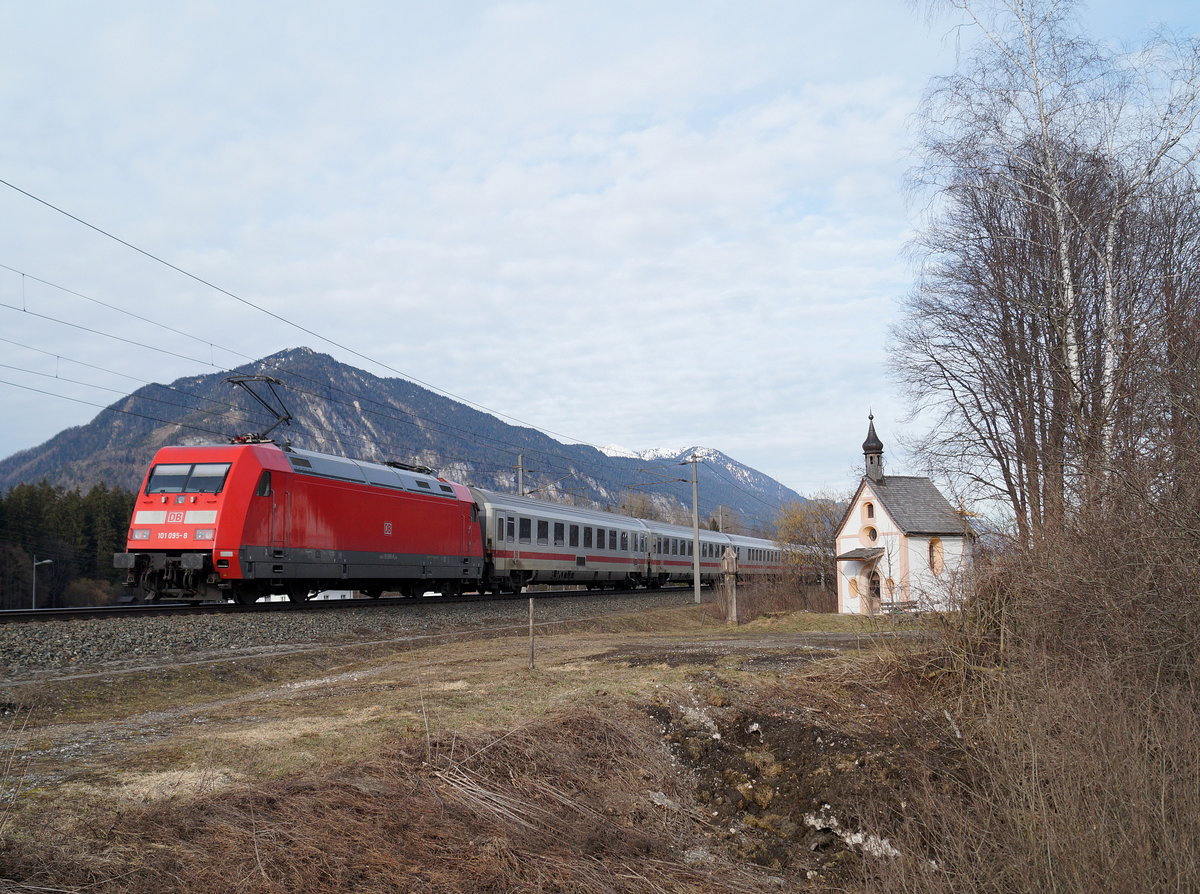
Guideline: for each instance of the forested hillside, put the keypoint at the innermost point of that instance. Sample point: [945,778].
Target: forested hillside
[78,532]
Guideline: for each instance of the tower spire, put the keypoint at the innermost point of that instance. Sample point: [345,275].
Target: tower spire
[873,451]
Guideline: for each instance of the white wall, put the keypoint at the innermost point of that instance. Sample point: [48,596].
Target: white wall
[937,592]
[855,534]
[905,562]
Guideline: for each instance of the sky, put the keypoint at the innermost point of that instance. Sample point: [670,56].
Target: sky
[638,224]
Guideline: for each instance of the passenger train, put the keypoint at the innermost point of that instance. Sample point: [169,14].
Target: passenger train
[245,521]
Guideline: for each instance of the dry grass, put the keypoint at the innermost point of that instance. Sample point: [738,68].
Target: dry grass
[449,768]
[776,595]
[561,803]
[113,696]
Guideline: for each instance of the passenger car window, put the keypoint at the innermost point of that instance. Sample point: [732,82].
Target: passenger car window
[525,529]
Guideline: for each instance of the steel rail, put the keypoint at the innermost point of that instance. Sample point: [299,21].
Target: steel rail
[157,609]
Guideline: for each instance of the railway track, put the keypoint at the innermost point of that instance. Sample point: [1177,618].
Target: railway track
[127,639]
[158,609]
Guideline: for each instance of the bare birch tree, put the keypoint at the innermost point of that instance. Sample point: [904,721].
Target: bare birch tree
[1033,332]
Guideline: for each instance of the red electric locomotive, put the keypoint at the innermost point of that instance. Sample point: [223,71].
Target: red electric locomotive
[244,521]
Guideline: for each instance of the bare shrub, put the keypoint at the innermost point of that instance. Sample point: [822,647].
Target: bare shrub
[1070,680]
[784,593]
[86,591]
[1064,779]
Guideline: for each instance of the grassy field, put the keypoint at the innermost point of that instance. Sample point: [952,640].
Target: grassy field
[662,751]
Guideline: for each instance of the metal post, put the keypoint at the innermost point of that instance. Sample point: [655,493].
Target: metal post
[695,533]
[36,563]
[520,475]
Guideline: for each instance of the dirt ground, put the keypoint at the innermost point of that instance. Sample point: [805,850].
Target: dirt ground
[670,753]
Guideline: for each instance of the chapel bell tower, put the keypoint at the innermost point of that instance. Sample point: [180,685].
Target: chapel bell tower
[873,452]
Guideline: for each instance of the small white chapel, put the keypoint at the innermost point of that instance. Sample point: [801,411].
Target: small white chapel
[900,545]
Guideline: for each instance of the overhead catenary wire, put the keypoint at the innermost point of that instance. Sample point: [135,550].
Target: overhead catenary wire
[280,317]
[339,437]
[465,434]
[207,431]
[199,428]
[470,437]
[573,460]
[170,403]
[769,504]
[313,434]
[708,510]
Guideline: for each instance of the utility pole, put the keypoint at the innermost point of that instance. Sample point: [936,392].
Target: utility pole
[520,475]
[36,563]
[695,529]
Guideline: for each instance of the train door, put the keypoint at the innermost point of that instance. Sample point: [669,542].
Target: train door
[474,529]
[281,515]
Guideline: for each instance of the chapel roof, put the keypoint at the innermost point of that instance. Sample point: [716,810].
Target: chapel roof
[915,505]
[862,554]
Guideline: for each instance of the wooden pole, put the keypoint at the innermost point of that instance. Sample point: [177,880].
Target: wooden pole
[729,564]
[532,662]
[733,616]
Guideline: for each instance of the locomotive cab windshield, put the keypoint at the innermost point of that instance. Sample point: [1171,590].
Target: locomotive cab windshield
[187,478]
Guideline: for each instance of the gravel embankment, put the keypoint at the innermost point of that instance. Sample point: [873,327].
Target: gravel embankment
[36,649]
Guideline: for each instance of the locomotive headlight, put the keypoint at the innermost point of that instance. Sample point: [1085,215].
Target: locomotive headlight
[140,534]
[204,533]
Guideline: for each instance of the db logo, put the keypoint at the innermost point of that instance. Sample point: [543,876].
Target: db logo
[387,528]
[174,518]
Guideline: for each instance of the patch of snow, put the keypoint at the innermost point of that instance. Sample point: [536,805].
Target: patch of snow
[871,844]
[658,799]
[662,453]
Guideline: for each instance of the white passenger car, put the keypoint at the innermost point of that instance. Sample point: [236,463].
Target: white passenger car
[530,541]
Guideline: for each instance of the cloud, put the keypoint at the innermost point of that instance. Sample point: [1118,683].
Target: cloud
[671,224]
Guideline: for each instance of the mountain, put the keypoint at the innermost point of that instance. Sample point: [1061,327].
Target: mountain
[339,409]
